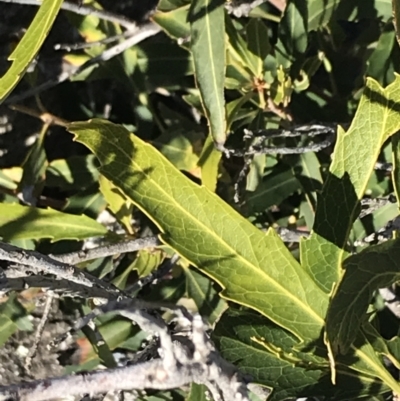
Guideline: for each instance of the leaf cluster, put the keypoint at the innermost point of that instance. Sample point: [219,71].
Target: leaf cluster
[303,318]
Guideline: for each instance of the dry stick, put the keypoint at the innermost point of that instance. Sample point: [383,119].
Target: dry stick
[84,45]
[308,130]
[384,166]
[187,359]
[144,32]
[375,204]
[117,305]
[61,270]
[39,332]
[257,148]
[288,235]
[239,9]
[82,10]
[382,235]
[392,301]
[63,288]
[107,250]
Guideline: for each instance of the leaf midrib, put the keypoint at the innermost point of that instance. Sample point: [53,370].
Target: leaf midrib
[258,270]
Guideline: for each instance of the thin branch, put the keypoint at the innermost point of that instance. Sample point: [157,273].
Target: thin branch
[144,32]
[309,130]
[82,10]
[107,250]
[383,166]
[260,136]
[44,263]
[183,359]
[375,204]
[117,306]
[84,45]
[392,301]
[382,235]
[291,235]
[61,287]
[242,9]
[39,332]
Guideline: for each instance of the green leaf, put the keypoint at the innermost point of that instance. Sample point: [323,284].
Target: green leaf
[396,18]
[74,173]
[244,54]
[375,121]
[89,202]
[377,220]
[380,63]
[180,147]
[209,163]
[268,355]
[396,164]
[7,328]
[174,22]
[164,59]
[29,46]
[257,42]
[198,392]
[115,332]
[117,202]
[146,262]
[251,267]
[99,347]
[24,222]
[200,288]
[307,170]
[208,48]
[292,40]
[34,168]
[376,267]
[320,12]
[275,188]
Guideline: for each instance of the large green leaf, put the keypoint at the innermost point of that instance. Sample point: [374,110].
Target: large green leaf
[29,45]
[268,354]
[208,48]
[376,267]
[25,222]
[354,157]
[254,269]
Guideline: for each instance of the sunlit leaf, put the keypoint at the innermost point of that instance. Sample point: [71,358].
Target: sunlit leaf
[207,44]
[268,355]
[25,222]
[249,265]
[117,202]
[375,121]
[29,45]
[376,267]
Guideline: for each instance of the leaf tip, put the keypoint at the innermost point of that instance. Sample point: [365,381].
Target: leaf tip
[331,358]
